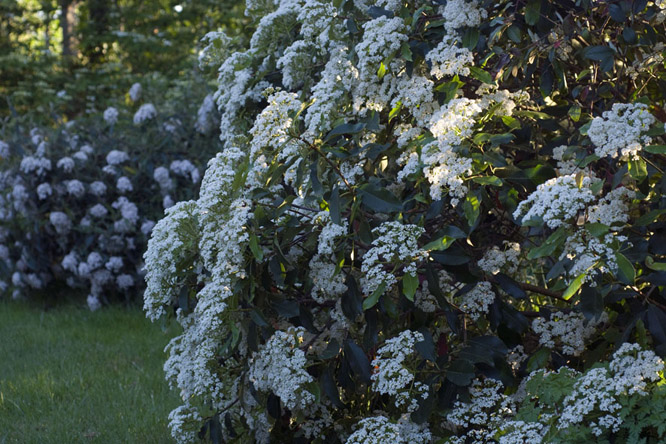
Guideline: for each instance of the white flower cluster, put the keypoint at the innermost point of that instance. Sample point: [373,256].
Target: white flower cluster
[279,366]
[618,133]
[556,201]
[459,13]
[496,260]
[185,168]
[477,301]
[595,398]
[444,167]
[183,422]
[566,331]
[591,255]
[381,430]
[271,129]
[39,165]
[395,244]
[612,209]
[116,157]
[448,59]
[165,250]
[111,115]
[135,92]
[487,410]
[392,374]
[204,123]
[566,160]
[337,79]
[146,112]
[425,301]
[382,37]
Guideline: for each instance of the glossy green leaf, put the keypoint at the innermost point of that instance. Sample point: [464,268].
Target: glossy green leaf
[574,286]
[409,285]
[372,300]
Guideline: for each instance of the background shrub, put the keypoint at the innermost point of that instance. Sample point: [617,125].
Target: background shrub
[79,199]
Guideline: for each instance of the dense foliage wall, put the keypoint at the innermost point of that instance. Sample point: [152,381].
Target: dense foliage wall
[431,222]
[79,199]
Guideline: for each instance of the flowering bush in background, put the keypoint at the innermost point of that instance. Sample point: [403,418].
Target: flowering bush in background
[430,222]
[78,201]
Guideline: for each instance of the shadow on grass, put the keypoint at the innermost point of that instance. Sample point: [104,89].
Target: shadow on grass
[68,375]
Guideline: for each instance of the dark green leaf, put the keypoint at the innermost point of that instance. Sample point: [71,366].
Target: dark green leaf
[329,388]
[460,372]
[372,300]
[538,360]
[379,199]
[532,12]
[510,286]
[514,33]
[334,206]
[357,360]
[655,149]
[480,75]
[574,286]
[345,128]
[626,273]
[649,218]
[351,299]
[470,37]
[409,285]
[257,252]
[638,169]
[286,308]
[426,348]
[656,323]
[488,180]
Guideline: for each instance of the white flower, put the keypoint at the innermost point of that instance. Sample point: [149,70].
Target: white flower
[556,201]
[116,157]
[146,112]
[60,222]
[125,281]
[98,211]
[448,59]
[98,188]
[494,260]
[161,176]
[477,301]
[279,366]
[111,115]
[66,164]
[75,188]
[135,92]
[114,264]
[39,165]
[124,185]
[618,132]
[4,150]
[397,244]
[459,13]
[567,331]
[392,374]
[44,191]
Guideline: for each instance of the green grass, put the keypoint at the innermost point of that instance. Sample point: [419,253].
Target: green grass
[68,376]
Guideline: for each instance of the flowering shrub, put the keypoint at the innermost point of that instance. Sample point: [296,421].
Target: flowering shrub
[78,201]
[430,222]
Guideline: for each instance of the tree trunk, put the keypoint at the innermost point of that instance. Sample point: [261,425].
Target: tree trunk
[67,24]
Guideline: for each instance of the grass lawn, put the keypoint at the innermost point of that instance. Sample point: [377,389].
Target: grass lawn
[68,375]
